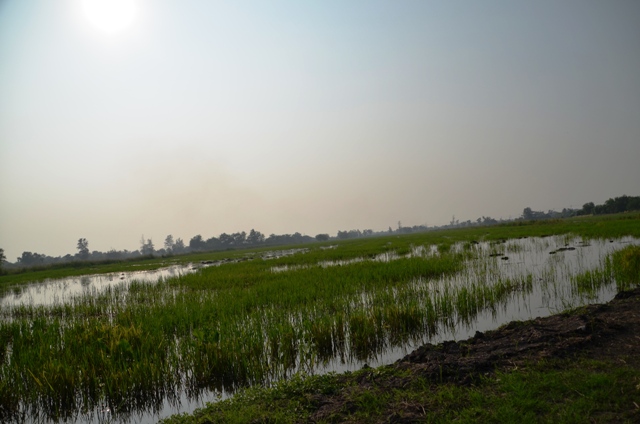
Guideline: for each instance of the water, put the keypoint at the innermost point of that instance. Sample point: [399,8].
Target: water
[52,292]
[550,262]
[58,291]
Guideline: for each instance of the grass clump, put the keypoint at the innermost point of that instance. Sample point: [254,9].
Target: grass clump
[626,267]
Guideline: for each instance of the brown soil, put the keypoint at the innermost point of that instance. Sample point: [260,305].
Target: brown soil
[604,332]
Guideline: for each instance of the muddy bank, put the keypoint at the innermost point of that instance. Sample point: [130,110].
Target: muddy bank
[608,331]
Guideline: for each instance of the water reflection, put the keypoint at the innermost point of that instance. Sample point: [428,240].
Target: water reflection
[58,291]
[548,264]
[541,261]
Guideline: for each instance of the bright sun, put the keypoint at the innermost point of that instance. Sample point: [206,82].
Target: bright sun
[110,16]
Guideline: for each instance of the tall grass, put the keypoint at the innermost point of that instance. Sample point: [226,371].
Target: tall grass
[626,267]
[240,324]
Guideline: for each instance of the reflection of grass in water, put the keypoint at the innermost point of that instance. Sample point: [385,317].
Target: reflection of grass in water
[225,328]
[512,247]
[240,324]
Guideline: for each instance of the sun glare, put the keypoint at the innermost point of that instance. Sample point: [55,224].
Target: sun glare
[110,16]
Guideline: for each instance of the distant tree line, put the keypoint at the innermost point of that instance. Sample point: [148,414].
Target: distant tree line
[620,204]
[616,205]
[401,229]
[171,247]
[239,240]
[354,234]
[255,238]
[224,241]
[530,215]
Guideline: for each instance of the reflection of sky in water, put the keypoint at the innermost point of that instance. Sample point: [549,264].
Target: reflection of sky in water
[551,273]
[551,292]
[59,291]
[514,259]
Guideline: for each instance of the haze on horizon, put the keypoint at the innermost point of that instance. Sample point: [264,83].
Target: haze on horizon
[204,117]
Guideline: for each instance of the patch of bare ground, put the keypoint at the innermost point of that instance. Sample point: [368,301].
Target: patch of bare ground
[601,332]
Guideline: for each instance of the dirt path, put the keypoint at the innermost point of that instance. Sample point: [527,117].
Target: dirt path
[604,331]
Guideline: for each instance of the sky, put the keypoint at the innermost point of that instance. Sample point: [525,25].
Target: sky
[202,117]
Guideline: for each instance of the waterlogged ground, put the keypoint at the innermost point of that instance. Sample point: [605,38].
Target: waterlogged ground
[580,366]
[67,290]
[544,268]
[500,281]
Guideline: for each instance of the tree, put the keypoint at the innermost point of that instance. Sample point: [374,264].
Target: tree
[149,248]
[113,254]
[343,235]
[322,237]
[196,243]
[83,249]
[168,244]
[2,259]
[255,237]
[213,244]
[239,238]
[527,214]
[178,246]
[225,239]
[350,234]
[487,220]
[29,259]
[146,248]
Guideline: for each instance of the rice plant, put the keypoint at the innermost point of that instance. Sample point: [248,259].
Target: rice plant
[132,347]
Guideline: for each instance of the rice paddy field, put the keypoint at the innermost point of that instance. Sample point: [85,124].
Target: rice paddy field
[141,344]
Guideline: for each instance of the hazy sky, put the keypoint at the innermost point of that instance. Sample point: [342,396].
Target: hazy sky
[203,117]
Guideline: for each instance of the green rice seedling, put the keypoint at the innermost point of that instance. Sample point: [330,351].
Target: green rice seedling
[239,324]
[365,335]
[402,323]
[321,333]
[588,282]
[444,305]
[626,267]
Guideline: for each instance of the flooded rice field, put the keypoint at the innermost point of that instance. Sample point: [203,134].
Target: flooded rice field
[64,290]
[59,291]
[143,345]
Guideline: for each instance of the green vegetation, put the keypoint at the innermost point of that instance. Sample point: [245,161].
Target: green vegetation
[255,322]
[15,276]
[2,259]
[555,391]
[626,266]
[611,206]
[603,226]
